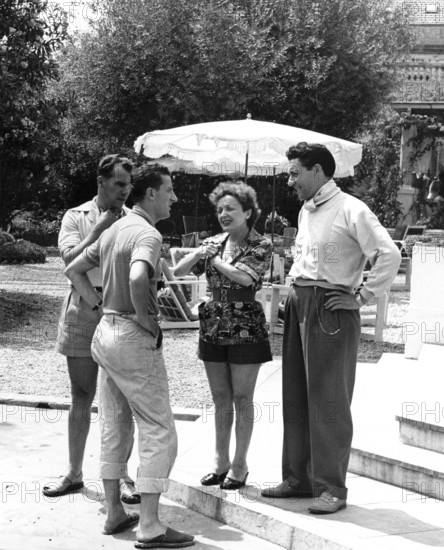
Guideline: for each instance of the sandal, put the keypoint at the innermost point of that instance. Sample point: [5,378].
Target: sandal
[64,487]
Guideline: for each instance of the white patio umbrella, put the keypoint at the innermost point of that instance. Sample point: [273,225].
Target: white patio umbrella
[247,146]
[250,147]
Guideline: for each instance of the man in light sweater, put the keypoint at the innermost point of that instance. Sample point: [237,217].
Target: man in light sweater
[337,234]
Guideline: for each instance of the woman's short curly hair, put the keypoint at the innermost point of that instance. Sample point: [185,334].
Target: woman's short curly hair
[243,193]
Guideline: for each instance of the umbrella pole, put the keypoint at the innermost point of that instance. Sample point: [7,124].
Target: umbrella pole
[197,203]
[246,167]
[273,202]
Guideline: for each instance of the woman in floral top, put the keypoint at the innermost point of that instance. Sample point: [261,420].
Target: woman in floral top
[233,340]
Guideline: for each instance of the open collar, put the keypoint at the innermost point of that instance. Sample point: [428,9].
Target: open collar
[143,213]
[252,237]
[325,193]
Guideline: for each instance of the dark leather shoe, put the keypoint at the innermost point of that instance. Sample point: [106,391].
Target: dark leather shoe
[327,504]
[230,484]
[213,479]
[285,490]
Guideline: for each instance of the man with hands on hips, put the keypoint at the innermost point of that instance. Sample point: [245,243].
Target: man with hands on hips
[337,234]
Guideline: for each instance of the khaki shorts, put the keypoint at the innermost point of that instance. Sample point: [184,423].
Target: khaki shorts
[77,324]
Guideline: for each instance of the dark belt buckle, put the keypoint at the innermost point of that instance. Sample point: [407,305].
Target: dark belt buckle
[223,294]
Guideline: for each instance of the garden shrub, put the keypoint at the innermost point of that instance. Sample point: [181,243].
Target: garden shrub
[21,251]
[6,238]
[429,240]
[42,232]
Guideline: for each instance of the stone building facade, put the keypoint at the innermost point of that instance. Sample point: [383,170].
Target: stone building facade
[421,91]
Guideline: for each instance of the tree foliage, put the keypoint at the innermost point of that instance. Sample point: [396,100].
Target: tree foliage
[29,36]
[379,172]
[158,64]
[337,61]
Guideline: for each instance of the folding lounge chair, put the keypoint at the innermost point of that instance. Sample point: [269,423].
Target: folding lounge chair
[174,309]
[172,312]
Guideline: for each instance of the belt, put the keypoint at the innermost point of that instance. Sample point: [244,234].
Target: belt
[233,295]
[98,289]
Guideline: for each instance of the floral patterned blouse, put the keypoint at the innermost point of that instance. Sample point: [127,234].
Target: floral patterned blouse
[230,323]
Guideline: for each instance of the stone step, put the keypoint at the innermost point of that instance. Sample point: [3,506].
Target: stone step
[378,516]
[425,435]
[397,387]
[421,472]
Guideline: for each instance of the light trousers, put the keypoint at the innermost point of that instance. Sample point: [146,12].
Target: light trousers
[133,385]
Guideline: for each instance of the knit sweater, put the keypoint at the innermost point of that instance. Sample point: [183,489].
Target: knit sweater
[337,233]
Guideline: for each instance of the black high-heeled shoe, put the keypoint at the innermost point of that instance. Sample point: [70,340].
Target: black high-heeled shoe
[213,479]
[230,484]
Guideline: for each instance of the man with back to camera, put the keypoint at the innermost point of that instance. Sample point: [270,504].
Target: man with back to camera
[127,346]
[81,226]
[337,233]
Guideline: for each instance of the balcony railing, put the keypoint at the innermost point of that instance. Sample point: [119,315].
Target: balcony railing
[420,83]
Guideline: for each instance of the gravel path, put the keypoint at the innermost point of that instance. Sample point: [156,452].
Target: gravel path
[31,296]
[30,300]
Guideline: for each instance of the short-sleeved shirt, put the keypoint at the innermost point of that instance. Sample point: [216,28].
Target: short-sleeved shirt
[231,323]
[77,224]
[130,239]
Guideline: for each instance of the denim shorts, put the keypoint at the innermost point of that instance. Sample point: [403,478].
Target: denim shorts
[240,354]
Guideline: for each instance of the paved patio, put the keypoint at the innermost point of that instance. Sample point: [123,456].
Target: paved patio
[378,516]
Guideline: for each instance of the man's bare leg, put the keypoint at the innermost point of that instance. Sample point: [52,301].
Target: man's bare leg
[83,376]
[115,512]
[149,524]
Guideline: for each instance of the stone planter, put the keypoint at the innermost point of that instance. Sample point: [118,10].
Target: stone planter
[424,322]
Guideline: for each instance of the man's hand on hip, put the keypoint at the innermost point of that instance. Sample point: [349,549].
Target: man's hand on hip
[340,300]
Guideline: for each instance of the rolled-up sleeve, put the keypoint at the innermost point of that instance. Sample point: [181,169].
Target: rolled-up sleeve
[199,268]
[69,235]
[92,253]
[256,260]
[147,249]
